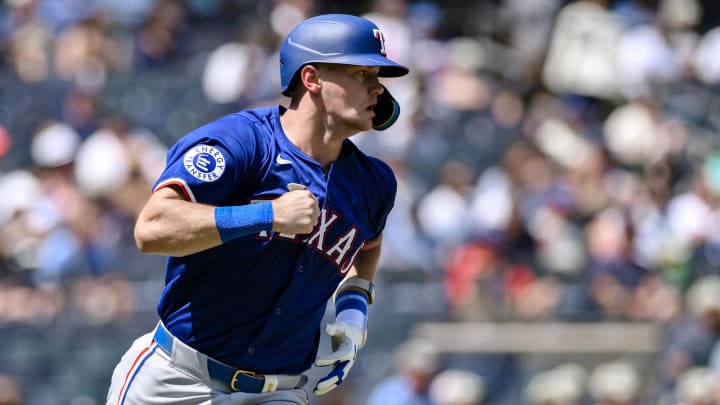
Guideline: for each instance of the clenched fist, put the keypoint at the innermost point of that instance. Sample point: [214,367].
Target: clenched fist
[295,212]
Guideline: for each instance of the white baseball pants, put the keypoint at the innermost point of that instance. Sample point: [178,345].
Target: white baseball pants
[147,375]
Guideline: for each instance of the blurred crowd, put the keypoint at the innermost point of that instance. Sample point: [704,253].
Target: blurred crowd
[556,161]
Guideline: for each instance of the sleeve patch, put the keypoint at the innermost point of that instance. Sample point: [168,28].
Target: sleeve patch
[204,162]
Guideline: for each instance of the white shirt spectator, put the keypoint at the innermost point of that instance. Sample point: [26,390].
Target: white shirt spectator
[582,55]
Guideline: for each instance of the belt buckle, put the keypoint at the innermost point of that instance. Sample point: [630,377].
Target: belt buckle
[235,378]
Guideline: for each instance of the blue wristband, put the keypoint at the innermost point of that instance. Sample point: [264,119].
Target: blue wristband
[240,220]
[351,299]
[351,307]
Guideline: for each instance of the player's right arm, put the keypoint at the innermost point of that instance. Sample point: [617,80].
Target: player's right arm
[173,226]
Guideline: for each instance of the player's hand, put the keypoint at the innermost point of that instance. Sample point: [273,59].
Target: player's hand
[295,212]
[346,340]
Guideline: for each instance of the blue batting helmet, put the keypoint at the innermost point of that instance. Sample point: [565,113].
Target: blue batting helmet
[335,38]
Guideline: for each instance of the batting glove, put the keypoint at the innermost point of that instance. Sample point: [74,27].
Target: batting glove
[346,340]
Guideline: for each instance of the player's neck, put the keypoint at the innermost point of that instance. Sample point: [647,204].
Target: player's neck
[311,135]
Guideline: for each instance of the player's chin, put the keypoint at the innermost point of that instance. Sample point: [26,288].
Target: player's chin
[360,124]
[365,126]
[366,120]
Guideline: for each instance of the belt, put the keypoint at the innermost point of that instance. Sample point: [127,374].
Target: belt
[187,358]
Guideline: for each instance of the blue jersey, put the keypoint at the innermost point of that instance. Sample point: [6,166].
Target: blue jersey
[257,302]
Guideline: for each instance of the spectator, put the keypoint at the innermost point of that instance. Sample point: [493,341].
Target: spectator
[615,383]
[10,391]
[582,54]
[416,364]
[457,387]
[653,54]
[442,212]
[561,385]
[692,340]
[614,274]
[698,386]
[29,43]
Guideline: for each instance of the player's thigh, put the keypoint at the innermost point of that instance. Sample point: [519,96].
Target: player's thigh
[145,376]
[281,397]
[123,369]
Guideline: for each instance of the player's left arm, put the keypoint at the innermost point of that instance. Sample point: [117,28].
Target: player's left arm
[366,261]
[349,331]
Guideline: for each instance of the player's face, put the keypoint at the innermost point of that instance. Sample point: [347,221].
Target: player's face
[350,94]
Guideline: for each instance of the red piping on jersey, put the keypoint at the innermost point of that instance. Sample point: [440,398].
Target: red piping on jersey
[179,184]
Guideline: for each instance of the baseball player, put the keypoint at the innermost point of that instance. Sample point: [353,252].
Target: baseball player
[265,215]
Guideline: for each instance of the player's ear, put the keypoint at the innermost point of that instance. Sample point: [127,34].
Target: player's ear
[310,78]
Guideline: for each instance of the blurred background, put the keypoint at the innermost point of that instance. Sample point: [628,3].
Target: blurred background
[556,234]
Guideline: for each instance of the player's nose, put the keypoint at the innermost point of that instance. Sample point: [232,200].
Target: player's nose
[376,88]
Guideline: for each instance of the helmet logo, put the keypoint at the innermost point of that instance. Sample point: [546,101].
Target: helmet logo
[380,37]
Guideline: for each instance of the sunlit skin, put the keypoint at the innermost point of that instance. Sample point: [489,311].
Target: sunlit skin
[330,103]
[349,93]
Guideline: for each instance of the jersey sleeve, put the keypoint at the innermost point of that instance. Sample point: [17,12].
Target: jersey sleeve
[213,162]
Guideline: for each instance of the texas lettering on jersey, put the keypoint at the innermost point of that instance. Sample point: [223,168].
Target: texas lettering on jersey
[338,251]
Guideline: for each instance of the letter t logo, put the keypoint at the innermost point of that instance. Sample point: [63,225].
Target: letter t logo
[380,37]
